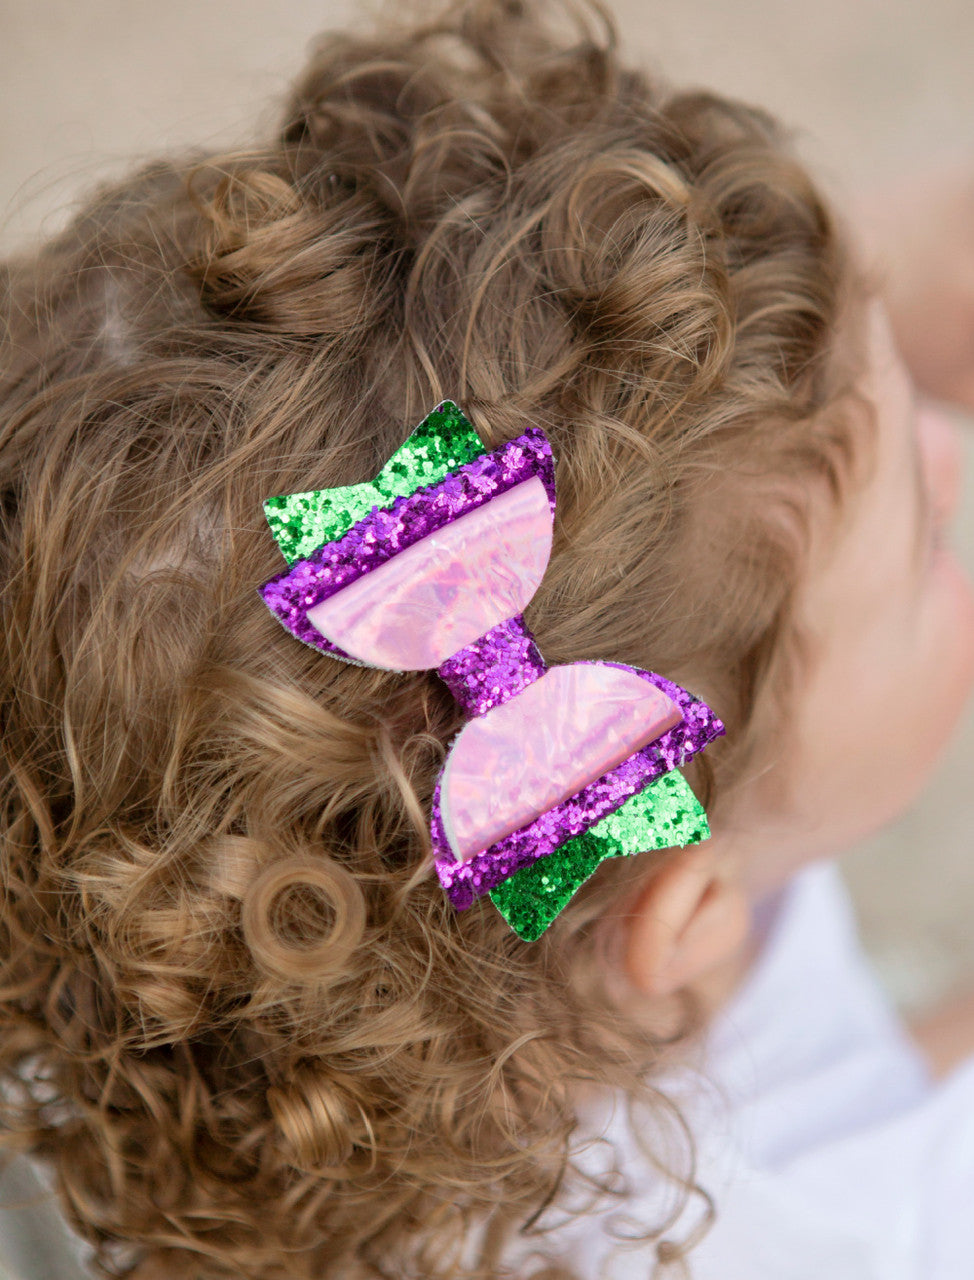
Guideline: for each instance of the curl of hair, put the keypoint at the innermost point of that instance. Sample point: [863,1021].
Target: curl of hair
[282,918]
[237,1015]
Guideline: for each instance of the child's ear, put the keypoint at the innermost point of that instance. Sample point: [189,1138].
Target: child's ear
[690,918]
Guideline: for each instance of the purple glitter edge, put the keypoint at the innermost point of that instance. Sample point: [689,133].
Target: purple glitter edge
[494,668]
[384,532]
[466,881]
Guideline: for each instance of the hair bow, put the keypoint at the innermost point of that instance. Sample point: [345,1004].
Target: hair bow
[430,566]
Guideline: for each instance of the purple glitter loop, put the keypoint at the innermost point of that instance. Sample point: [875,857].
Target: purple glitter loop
[382,534]
[492,670]
[468,880]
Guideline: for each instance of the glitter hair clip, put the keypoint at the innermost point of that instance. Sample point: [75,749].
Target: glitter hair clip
[430,566]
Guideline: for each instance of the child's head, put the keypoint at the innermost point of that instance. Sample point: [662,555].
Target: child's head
[887,613]
[247,1022]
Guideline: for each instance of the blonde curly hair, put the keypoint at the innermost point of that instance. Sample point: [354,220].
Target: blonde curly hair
[238,1016]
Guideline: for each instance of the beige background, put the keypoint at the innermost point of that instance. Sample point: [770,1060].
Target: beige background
[876,87]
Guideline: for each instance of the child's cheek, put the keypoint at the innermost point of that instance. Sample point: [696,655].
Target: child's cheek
[946,664]
[942,454]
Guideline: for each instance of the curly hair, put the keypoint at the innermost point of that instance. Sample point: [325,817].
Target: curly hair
[238,1017]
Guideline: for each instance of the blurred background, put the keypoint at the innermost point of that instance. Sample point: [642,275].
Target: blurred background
[877,89]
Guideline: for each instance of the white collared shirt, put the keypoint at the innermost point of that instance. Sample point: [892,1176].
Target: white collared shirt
[829,1150]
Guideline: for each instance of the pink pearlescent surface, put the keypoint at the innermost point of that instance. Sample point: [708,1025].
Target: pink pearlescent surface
[561,733]
[447,590]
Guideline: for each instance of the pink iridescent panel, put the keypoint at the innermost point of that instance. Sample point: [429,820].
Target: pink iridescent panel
[562,732]
[444,592]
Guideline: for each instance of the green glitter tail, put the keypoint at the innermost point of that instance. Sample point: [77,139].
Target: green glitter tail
[664,814]
[303,522]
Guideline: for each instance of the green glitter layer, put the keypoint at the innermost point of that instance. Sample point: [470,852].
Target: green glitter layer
[442,443]
[662,815]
